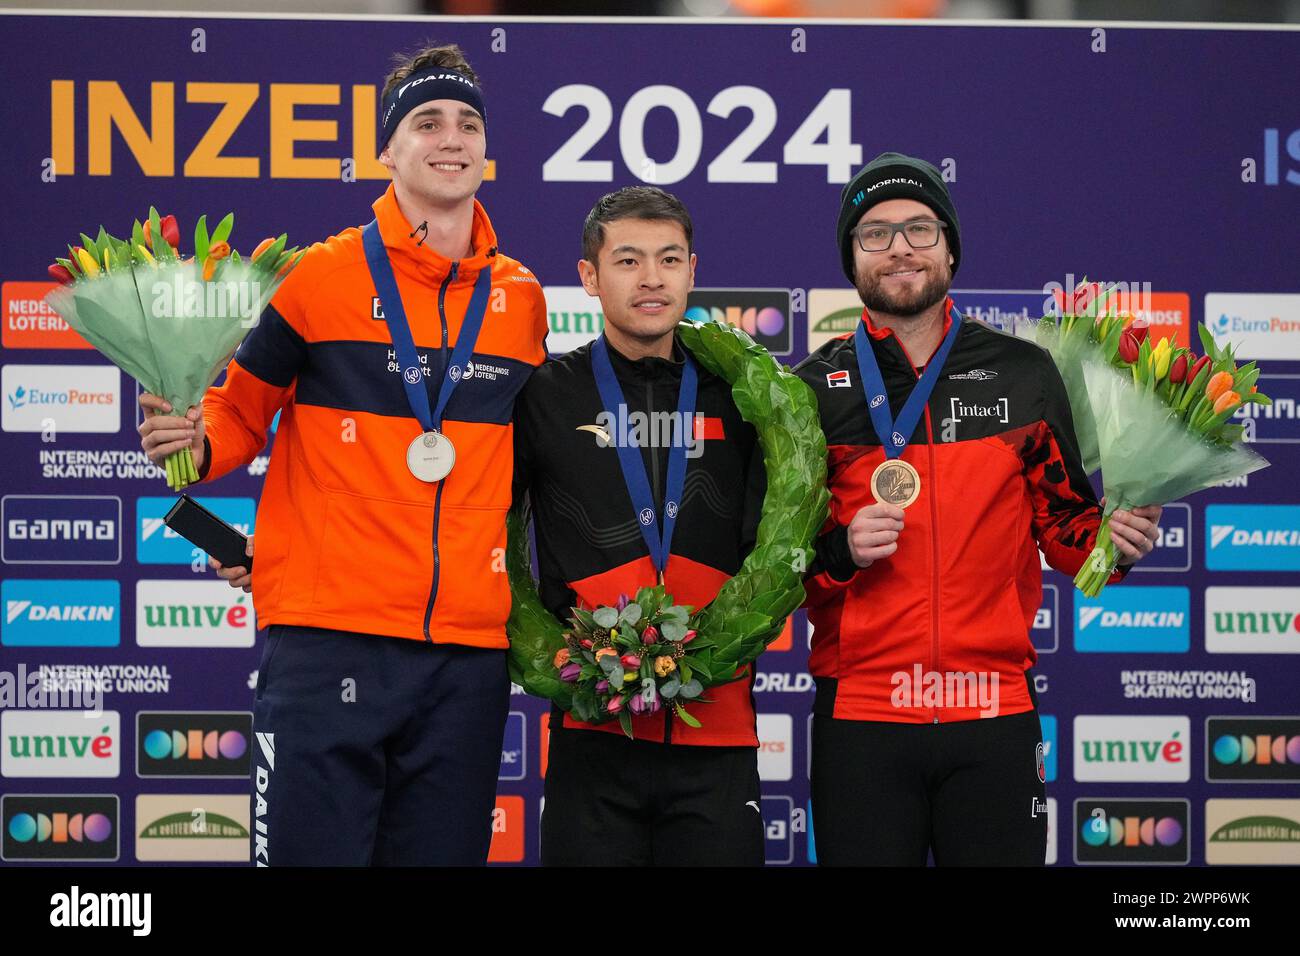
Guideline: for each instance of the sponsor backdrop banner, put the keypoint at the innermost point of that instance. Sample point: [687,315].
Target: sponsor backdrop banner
[1169,704]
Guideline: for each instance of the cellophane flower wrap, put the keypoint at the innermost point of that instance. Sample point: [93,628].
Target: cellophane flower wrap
[1153,417]
[169,322]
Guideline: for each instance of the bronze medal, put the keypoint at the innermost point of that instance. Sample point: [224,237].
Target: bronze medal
[895,482]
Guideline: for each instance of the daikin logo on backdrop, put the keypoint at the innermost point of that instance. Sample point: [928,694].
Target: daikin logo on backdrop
[1252,537]
[68,613]
[159,544]
[1133,618]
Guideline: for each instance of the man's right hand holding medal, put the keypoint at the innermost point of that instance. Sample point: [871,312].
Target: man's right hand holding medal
[873,533]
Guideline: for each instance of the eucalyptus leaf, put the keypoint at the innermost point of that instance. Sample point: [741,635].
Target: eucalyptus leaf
[605,617]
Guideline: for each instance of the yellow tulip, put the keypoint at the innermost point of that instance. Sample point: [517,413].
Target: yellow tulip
[148,256]
[87,262]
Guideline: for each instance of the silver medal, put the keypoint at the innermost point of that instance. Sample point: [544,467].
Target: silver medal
[430,456]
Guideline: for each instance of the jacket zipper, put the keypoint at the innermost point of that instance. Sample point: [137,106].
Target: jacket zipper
[437,498]
[934,535]
[934,546]
[654,491]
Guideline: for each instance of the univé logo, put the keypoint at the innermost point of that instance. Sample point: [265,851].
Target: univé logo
[1131,748]
[1252,620]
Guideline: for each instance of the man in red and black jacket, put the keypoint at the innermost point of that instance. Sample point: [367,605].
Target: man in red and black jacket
[673,795]
[952,461]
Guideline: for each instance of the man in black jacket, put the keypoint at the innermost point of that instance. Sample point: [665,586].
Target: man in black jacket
[632,455]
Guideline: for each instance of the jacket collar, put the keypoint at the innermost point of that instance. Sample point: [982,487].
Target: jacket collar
[396,233]
[650,367]
[877,332]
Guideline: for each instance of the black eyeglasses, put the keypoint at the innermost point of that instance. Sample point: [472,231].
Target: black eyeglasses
[879,236]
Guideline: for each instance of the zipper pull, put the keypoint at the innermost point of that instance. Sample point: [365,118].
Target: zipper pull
[455,267]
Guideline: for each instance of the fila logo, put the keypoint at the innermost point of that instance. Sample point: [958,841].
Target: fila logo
[999,410]
[838,379]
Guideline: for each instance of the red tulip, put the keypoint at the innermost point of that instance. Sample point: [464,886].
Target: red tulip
[61,274]
[1078,301]
[1178,371]
[690,636]
[1129,347]
[1195,370]
[650,635]
[1140,328]
[615,705]
[171,231]
[631,661]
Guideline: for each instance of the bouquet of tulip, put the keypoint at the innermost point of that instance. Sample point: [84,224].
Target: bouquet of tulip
[170,322]
[1152,417]
[630,659]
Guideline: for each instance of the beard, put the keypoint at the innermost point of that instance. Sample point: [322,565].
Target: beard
[933,291]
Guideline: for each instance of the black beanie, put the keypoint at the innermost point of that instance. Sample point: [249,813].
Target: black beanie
[895,176]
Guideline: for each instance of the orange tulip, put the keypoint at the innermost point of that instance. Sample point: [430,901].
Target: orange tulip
[262,247]
[216,253]
[1226,401]
[1219,383]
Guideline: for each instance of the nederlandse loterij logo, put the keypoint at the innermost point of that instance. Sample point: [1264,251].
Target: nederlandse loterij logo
[1108,748]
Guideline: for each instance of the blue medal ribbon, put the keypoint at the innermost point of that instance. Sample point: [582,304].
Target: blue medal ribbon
[633,466]
[390,299]
[894,434]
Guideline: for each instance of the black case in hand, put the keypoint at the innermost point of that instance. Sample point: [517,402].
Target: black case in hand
[199,526]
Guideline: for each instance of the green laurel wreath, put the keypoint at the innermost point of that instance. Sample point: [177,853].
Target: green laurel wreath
[750,609]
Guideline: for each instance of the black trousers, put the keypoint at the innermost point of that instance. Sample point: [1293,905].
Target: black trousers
[611,801]
[886,794]
[372,750]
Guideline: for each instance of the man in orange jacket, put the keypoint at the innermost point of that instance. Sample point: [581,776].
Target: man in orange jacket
[395,352]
